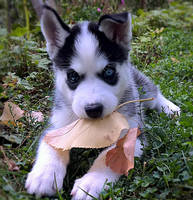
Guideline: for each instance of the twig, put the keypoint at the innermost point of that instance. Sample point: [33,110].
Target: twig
[8,18]
[26,18]
[133,101]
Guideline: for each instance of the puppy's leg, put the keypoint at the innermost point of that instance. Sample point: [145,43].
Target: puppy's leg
[93,182]
[148,90]
[163,104]
[50,165]
[48,171]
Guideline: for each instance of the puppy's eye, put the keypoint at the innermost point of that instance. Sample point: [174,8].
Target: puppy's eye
[109,75]
[73,79]
[109,72]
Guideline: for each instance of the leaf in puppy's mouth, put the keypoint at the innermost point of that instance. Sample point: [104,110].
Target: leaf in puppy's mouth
[87,133]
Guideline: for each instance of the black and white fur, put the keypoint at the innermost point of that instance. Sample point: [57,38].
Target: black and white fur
[92,76]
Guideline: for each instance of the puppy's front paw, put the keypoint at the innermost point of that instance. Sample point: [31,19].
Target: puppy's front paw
[91,185]
[42,180]
[171,109]
[167,106]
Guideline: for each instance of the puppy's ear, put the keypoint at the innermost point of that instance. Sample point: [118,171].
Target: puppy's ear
[54,30]
[117,27]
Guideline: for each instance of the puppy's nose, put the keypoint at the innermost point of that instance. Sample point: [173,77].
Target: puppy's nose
[94,110]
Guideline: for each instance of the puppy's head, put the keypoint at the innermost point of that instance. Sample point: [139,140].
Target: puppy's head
[90,61]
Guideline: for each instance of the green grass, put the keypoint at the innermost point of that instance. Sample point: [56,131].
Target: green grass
[165,54]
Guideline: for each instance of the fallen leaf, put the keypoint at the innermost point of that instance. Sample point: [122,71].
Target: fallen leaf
[88,133]
[129,143]
[158,31]
[11,113]
[37,116]
[12,138]
[121,158]
[12,166]
[175,60]
[116,159]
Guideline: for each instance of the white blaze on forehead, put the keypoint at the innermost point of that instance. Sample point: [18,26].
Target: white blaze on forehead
[87,58]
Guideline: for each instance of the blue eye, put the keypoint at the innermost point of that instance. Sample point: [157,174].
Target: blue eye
[73,79]
[109,74]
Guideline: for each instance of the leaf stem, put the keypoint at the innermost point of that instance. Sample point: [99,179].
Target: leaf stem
[133,101]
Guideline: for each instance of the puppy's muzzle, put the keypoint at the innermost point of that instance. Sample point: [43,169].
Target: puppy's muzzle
[94,110]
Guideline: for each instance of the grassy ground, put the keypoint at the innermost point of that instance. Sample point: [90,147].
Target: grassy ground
[162,49]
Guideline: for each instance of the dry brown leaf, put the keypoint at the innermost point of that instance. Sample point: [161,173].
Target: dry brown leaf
[116,159]
[37,116]
[121,158]
[175,60]
[11,113]
[129,143]
[12,166]
[88,133]
[158,31]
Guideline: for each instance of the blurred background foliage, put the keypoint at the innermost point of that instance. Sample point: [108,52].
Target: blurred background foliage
[18,22]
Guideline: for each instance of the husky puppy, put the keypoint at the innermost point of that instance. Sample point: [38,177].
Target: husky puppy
[92,76]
